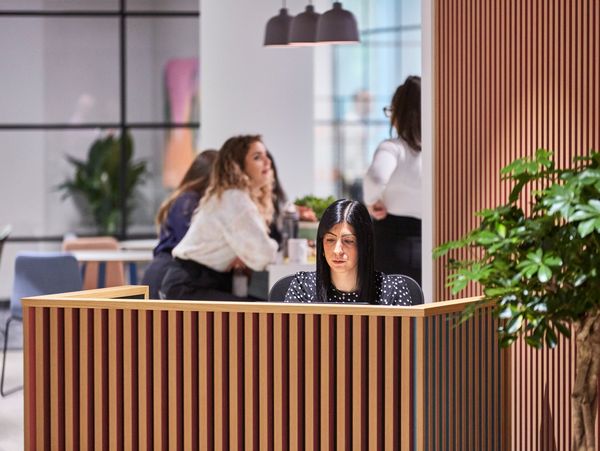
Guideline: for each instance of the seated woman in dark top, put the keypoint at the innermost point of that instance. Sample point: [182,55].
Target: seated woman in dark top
[174,217]
[345,263]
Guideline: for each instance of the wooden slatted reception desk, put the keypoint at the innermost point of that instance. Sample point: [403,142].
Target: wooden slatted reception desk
[105,370]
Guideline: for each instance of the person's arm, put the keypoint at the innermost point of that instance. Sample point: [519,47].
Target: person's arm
[180,214]
[246,232]
[378,175]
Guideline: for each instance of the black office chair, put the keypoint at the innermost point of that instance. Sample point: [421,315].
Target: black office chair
[416,293]
[279,289]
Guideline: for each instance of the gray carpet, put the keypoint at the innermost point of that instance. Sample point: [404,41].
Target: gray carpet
[15,339]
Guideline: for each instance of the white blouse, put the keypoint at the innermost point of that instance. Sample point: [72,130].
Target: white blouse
[394,177]
[224,228]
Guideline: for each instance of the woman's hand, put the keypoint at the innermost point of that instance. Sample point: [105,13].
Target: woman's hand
[378,210]
[238,265]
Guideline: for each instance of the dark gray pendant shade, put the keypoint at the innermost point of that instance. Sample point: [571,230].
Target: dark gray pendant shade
[303,30]
[337,26]
[277,31]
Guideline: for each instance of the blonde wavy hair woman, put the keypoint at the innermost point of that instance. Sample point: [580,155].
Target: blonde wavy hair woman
[230,228]
[229,172]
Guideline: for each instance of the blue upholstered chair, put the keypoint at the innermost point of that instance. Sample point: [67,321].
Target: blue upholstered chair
[38,273]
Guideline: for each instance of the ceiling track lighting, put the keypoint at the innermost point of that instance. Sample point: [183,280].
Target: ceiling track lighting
[277,32]
[309,28]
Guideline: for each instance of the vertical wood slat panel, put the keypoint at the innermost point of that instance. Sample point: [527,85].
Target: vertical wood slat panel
[100,401]
[204,426]
[86,378]
[145,391]
[71,378]
[263,386]
[218,381]
[130,411]
[29,376]
[293,384]
[57,407]
[42,409]
[173,360]
[357,399]
[326,392]
[249,419]
[234,400]
[374,416]
[310,412]
[278,371]
[405,375]
[190,378]
[158,382]
[113,369]
[390,422]
[341,381]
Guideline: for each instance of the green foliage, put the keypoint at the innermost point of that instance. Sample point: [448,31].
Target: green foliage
[97,180]
[539,267]
[317,204]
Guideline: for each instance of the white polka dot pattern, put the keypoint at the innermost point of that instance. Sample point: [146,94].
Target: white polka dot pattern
[390,290]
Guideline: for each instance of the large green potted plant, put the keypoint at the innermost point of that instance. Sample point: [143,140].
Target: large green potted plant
[537,258]
[96,180]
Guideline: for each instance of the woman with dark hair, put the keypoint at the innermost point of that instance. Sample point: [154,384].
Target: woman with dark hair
[174,216]
[345,265]
[229,230]
[392,186]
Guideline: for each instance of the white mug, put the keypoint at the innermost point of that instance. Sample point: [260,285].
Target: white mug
[298,250]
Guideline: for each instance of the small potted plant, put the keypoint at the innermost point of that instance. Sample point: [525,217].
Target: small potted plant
[96,181]
[310,209]
[538,258]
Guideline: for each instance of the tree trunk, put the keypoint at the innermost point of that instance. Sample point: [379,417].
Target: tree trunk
[584,399]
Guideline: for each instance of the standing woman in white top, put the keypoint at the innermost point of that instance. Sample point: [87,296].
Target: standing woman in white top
[229,230]
[392,186]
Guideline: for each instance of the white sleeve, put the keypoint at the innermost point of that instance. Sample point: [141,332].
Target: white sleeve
[384,163]
[246,231]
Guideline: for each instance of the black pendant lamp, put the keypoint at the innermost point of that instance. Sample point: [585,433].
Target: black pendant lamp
[337,26]
[303,30]
[277,31]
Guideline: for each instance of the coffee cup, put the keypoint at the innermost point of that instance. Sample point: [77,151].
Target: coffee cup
[297,250]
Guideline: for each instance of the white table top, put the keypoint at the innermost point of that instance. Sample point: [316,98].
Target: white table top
[113,256]
[138,245]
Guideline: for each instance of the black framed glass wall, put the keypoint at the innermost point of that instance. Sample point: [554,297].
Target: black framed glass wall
[352,85]
[77,71]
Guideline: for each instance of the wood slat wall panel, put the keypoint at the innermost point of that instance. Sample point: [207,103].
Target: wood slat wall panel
[196,380]
[511,77]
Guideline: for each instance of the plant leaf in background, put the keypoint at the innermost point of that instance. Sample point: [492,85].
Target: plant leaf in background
[96,179]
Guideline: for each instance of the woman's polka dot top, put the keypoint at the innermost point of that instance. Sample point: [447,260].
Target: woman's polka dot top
[390,290]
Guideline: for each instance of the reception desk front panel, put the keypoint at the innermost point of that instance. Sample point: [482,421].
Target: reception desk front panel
[106,372]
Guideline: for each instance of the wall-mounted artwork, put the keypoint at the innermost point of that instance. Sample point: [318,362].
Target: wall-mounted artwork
[181,87]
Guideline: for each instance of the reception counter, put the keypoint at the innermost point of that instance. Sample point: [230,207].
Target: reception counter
[111,369]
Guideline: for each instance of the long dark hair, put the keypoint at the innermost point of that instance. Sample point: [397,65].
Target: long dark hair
[279,196]
[355,214]
[406,111]
[196,180]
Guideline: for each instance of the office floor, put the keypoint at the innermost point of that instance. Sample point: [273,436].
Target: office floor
[11,407]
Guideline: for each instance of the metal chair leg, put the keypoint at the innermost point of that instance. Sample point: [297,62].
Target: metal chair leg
[12,390]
